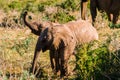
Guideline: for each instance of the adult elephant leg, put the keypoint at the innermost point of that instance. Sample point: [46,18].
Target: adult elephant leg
[93,10]
[115,17]
[83,8]
[110,16]
[36,54]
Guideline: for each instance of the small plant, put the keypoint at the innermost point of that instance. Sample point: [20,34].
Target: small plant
[88,61]
[15,5]
[111,25]
[69,5]
[61,17]
[27,76]
[22,46]
[41,7]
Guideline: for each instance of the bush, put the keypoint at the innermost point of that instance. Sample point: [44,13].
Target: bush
[15,5]
[41,7]
[111,25]
[60,16]
[70,5]
[63,17]
[98,63]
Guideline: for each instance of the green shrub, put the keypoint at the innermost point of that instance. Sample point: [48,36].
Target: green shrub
[111,25]
[27,76]
[15,5]
[41,7]
[63,17]
[96,63]
[60,16]
[70,5]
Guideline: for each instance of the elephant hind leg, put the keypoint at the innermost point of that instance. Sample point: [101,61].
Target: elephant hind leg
[110,16]
[64,57]
[93,10]
[115,17]
[83,9]
[54,59]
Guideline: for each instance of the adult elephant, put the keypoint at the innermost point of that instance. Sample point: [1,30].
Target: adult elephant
[62,39]
[111,7]
[37,28]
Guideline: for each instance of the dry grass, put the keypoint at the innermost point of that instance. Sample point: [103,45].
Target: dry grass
[17,49]
[14,64]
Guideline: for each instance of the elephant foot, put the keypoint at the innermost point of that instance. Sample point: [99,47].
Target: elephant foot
[56,72]
[63,77]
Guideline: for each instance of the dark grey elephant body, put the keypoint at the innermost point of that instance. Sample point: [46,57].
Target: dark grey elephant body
[62,40]
[111,7]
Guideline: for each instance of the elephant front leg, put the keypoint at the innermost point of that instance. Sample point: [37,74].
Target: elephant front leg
[115,17]
[83,8]
[52,59]
[57,63]
[93,10]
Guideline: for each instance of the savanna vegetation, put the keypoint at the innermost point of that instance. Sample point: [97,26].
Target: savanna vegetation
[98,60]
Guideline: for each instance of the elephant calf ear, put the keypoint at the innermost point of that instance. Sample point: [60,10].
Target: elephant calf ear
[56,42]
[56,37]
[59,41]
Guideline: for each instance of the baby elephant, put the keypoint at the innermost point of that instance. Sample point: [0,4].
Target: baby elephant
[61,40]
[36,28]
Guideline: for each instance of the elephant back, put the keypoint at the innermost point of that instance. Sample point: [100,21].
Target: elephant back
[104,5]
[83,31]
[115,7]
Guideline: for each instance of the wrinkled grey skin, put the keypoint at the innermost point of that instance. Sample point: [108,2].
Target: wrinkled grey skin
[62,40]
[111,7]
